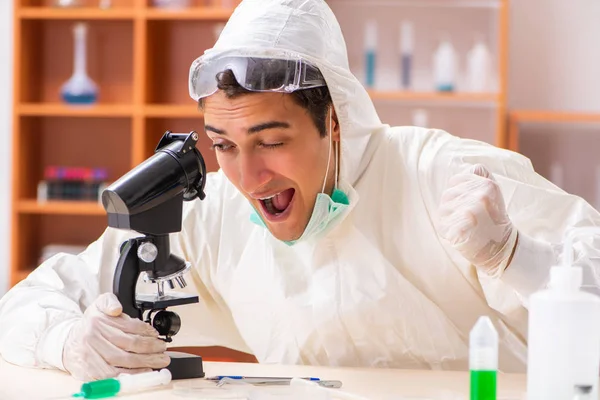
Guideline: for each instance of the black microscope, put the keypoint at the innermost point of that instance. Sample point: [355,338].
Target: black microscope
[149,200]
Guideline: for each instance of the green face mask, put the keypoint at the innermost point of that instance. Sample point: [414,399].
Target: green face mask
[326,211]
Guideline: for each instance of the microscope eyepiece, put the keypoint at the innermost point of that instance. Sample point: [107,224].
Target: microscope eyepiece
[149,198]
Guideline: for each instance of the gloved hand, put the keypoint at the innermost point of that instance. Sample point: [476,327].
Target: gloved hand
[474,220]
[106,342]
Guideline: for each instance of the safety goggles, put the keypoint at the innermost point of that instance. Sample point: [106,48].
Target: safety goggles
[254,74]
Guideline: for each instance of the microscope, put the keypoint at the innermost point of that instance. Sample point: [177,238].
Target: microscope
[149,200]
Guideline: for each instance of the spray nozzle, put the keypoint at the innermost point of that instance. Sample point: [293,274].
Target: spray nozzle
[567,276]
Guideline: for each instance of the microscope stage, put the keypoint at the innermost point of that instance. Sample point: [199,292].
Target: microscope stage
[155,302]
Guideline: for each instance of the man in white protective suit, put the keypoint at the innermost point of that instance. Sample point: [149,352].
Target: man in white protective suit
[326,237]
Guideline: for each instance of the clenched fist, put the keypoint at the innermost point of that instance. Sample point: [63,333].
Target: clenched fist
[474,220]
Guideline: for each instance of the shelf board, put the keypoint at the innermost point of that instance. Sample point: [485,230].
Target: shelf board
[62,110]
[553,116]
[84,13]
[167,111]
[60,207]
[434,96]
[197,13]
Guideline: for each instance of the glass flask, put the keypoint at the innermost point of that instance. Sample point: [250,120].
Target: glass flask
[79,89]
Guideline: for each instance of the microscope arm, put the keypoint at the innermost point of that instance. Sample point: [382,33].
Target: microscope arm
[126,277]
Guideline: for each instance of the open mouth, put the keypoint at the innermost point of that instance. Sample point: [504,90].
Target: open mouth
[277,205]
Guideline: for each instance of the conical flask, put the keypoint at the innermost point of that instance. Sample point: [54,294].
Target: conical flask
[80,89]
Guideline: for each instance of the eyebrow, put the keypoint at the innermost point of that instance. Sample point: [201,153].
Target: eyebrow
[253,129]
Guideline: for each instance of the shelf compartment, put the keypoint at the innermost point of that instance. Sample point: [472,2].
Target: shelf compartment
[76,13]
[460,26]
[172,46]
[60,207]
[547,118]
[49,62]
[463,122]
[156,127]
[82,4]
[38,230]
[195,14]
[565,152]
[64,110]
[71,142]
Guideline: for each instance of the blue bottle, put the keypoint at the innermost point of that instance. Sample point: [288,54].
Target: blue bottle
[370,53]
[406,54]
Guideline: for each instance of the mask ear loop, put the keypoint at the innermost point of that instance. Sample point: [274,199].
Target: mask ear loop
[337,157]
[329,157]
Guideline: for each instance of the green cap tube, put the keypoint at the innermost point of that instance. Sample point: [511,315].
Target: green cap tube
[100,389]
[483,360]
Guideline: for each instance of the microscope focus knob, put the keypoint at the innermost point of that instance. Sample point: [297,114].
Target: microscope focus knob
[147,252]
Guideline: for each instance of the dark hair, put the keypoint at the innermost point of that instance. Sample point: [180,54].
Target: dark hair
[316,100]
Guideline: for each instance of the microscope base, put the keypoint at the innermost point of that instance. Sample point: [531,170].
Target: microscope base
[185,365]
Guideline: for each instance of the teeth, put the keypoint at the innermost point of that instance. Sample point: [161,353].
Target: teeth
[270,197]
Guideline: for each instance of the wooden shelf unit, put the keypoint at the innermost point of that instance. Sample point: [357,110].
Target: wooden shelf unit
[140,57]
[517,117]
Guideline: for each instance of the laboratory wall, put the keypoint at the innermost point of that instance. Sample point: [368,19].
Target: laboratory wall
[6,39]
[554,55]
[555,65]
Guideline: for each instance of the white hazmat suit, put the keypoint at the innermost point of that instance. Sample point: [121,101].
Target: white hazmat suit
[382,288]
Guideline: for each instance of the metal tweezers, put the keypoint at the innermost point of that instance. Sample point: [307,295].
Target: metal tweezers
[279,381]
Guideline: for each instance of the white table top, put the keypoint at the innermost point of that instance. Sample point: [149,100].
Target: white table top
[386,384]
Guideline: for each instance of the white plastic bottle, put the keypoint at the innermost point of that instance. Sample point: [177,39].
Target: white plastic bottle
[479,68]
[420,118]
[564,335]
[445,66]
[557,174]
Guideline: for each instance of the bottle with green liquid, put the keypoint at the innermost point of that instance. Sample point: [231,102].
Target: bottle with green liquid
[483,360]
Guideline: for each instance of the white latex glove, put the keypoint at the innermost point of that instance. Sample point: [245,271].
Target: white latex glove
[106,342]
[474,220]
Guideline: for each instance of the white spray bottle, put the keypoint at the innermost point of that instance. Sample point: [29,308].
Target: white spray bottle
[479,67]
[564,334]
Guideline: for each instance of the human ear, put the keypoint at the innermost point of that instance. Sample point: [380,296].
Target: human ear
[335,125]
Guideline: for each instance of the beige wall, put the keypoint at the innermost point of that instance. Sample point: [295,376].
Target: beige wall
[5,135]
[555,65]
[555,54]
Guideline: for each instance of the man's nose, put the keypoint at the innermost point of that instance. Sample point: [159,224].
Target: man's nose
[253,173]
